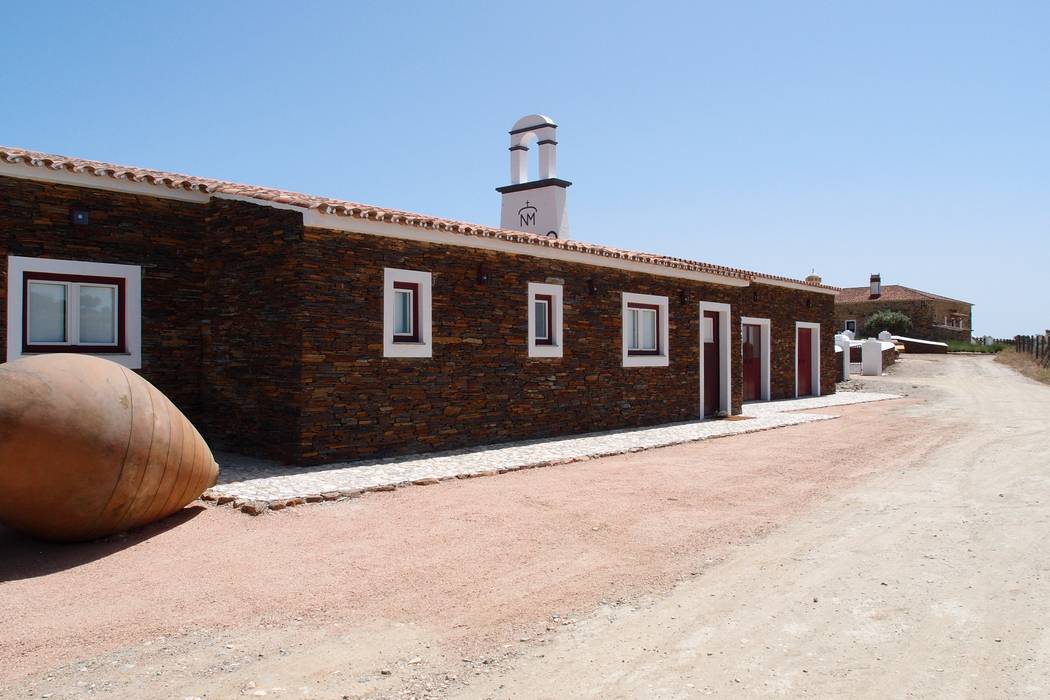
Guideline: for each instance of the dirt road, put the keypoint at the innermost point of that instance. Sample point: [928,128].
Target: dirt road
[895,551]
[927,581]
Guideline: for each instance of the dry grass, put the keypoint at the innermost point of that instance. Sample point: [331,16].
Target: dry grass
[1025,364]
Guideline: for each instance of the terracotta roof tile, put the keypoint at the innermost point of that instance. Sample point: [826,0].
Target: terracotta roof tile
[890,292]
[340,207]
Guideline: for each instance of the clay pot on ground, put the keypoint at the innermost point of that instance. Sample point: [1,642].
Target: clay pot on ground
[88,448]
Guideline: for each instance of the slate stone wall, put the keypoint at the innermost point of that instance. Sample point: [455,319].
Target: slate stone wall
[269,336]
[927,317]
[480,386]
[783,307]
[164,236]
[251,340]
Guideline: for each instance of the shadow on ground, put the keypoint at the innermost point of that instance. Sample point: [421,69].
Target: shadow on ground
[23,557]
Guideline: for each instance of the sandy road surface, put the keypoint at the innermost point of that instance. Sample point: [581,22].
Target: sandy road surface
[928,581]
[702,560]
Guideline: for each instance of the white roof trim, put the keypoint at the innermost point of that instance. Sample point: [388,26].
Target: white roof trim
[62,176]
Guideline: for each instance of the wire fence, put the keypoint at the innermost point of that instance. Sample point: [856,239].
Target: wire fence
[1038,346]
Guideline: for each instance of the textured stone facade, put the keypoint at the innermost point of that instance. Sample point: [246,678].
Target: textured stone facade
[251,338]
[783,307]
[162,235]
[927,317]
[480,384]
[269,336]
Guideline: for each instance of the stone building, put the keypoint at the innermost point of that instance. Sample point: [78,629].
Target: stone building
[933,317]
[309,329]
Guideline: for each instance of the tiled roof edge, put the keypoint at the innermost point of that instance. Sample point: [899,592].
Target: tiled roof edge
[325,205]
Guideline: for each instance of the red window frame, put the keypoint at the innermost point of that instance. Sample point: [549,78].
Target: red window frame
[119,282]
[549,299]
[412,337]
[651,307]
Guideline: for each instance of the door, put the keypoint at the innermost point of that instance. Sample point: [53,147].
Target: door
[805,361]
[752,362]
[712,364]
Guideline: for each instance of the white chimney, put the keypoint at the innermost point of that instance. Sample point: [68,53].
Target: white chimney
[876,286]
[536,206]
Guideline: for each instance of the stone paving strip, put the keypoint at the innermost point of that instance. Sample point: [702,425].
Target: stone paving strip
[255,486]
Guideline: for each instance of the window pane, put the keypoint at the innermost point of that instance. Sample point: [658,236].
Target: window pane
[98,324]
[47,313]
[647,330]
[540,312]
[632,329]
[402,312]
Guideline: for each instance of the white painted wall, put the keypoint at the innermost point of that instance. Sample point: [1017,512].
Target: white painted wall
[871,358]
[843,342]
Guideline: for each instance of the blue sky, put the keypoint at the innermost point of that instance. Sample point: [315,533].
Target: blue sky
[910,139]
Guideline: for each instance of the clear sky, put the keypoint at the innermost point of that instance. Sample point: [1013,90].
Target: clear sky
[906,138]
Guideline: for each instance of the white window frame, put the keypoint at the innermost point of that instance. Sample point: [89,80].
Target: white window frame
[17,266]
[725,356]
[814,355]
[424,347]
[663,322]
[766,335]
[555,292]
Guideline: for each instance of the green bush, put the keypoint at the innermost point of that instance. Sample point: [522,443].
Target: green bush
[895,322]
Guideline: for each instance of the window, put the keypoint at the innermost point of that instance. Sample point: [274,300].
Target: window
[851,326]
[543,310]
[643,327]
[645,332]
[72,313]
[406,313]
[545,320]
[73,306]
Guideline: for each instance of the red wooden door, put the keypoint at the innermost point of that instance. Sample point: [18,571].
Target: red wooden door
[805,361]
[752,362]
[712,363]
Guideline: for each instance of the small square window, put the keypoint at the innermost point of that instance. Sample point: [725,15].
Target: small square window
[406,313]
[645,330]
[545,320]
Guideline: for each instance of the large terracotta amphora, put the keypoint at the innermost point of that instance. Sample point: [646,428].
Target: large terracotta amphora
[89,448]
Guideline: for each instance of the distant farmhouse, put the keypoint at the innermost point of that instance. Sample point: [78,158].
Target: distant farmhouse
[933,317]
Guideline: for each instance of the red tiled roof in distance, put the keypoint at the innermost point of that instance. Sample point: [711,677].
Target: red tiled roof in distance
[339,207]
[890,292]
